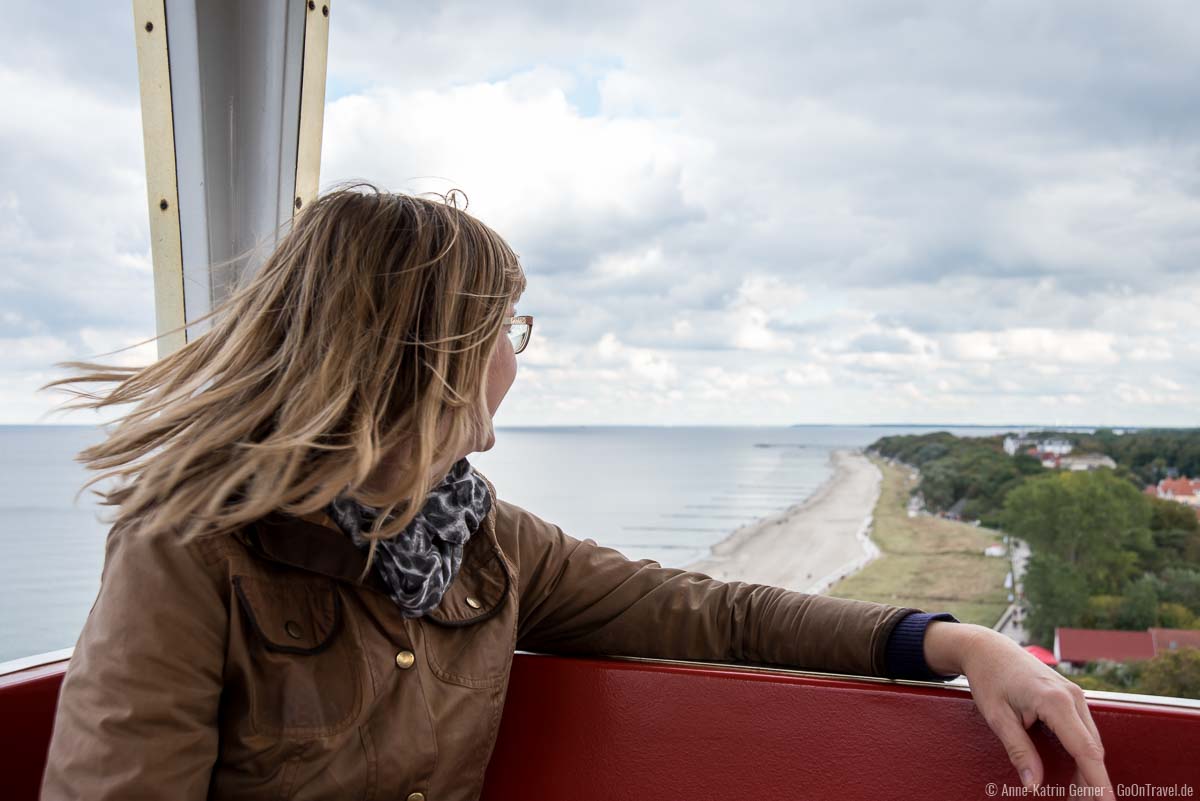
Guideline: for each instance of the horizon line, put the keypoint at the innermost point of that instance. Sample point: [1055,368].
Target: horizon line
[1039,426]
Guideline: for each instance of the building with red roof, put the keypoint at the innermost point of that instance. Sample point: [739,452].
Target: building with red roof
[1181,490]
[1074,648]
[1174,639]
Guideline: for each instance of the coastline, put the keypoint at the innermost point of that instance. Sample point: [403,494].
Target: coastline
[808,546]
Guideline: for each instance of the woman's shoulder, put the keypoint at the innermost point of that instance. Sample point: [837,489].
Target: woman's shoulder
[523,535]
[505,516]
[133,547]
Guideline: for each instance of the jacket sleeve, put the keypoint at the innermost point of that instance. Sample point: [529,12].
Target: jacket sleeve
[578,597]
[137,712]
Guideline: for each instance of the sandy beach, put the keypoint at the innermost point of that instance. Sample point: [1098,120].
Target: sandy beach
[809,546]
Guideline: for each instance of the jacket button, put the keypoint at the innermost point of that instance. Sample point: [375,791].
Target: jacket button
[416,797]
[293,629]
[405,660]
[471,602]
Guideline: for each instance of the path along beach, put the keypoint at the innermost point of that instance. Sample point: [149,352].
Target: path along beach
[809,546]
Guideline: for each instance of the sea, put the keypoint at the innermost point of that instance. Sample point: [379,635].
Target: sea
[664,493]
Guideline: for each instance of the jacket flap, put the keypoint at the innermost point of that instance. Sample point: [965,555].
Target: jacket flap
[477,592]
[293,616]
[481,586]
[311,546]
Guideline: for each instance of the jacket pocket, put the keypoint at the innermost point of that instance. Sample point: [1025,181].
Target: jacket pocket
[302,666]
[476,655]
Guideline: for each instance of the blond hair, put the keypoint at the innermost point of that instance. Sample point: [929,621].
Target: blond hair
[368,329]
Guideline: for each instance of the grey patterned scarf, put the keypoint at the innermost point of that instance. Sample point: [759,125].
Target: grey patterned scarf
[419,563]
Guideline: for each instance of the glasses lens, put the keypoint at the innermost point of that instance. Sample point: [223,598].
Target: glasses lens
[519,336]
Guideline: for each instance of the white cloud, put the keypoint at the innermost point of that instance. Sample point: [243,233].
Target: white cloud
[551,180]
[807,375]
[628,265]
[644,363]
[123,348]
[1035,346]
[34,352]
[1137,395]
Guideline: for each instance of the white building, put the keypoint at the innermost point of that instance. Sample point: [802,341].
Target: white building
[1087,461]
[1054,447]
[1013,444]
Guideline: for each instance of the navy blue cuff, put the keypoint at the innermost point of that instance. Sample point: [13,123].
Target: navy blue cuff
[906,647]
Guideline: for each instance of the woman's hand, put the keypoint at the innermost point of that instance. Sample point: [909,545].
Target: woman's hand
[1013,690]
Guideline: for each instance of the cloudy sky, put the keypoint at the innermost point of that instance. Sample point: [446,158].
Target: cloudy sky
[751,213]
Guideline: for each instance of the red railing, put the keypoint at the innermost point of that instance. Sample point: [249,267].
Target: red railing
[586,729]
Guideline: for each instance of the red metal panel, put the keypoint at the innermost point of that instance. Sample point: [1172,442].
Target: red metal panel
[605,729]
[27,703]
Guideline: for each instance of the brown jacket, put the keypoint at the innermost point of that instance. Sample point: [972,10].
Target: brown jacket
[253,665]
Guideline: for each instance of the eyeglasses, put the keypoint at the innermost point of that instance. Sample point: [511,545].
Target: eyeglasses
[520,327]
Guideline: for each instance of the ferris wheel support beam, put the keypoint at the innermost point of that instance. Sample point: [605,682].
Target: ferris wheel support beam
[233,97]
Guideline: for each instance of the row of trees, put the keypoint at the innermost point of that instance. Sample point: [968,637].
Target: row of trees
[1104,555]
[1145,456]
[972,468]
[1150,454]
[978,470]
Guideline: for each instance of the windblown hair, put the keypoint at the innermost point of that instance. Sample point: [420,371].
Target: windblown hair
[366,333]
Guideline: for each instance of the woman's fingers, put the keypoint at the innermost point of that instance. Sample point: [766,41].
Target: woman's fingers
[1071,727]
[1086,715]
[1008,727]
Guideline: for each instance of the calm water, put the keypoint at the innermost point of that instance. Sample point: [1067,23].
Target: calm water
[654,492]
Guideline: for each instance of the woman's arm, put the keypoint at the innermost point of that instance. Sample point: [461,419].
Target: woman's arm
[137,712]
[580,597]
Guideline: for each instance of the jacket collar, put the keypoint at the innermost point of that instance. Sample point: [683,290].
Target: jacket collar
[314,542]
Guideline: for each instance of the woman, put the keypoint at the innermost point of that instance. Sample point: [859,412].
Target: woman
[309,592]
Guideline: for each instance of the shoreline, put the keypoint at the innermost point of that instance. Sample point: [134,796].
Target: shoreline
[812,544]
